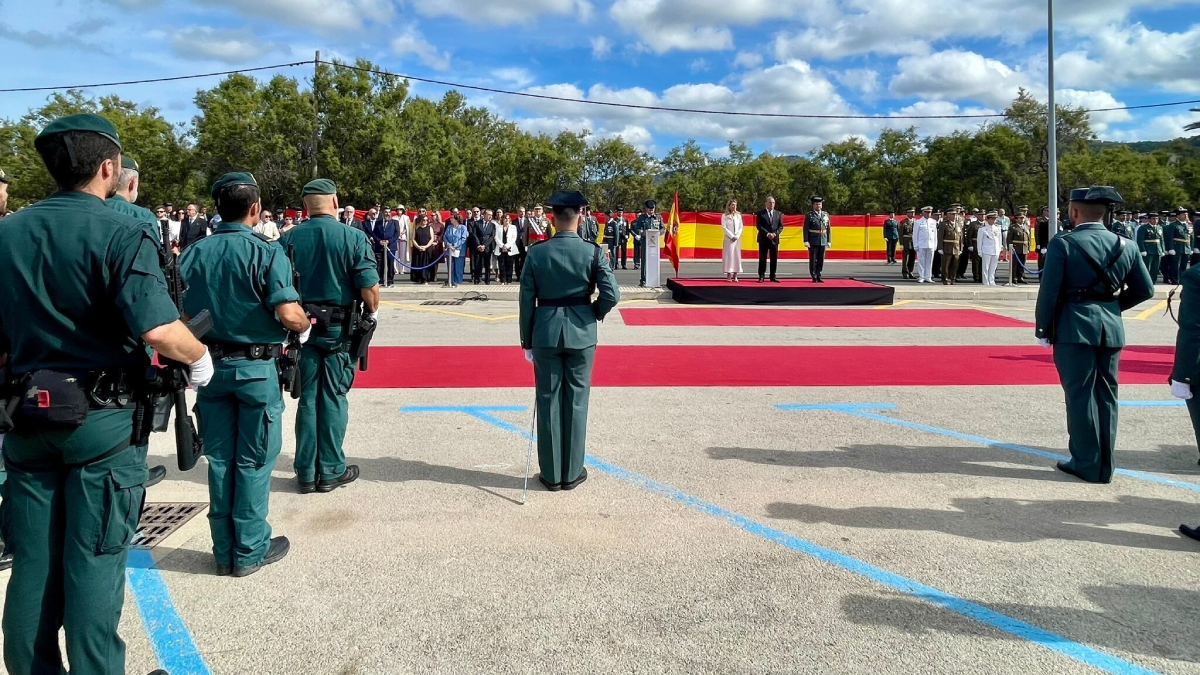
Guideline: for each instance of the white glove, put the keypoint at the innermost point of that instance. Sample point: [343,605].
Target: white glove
[306,334]
[374,316]
[529,355]
[1181,390]
[201,372]
[1044,343]
[971,248]
[939,253]
[1143,254]
[1171,252]
[1196,250]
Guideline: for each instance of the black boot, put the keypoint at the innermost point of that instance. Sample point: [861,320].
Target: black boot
[350,475]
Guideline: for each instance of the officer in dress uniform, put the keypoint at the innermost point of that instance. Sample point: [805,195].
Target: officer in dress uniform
[1123,225]
[950,245]
[123,202]
[816,239]
[1185,374]
[590,229]
[891,235]
[1018,240]
[5,558]
[558,333]
[1091,276]
[337,270]
[971,238]
[245,282]
[647,225]
[76,482]
[908,252]
[1178,239]
[1150,243]
[614,235]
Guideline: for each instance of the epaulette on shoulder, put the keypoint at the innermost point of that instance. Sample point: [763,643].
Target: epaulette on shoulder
[261,236]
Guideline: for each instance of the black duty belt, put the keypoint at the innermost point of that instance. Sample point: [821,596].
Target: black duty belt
[1085,296]
[240,350]
[577,301]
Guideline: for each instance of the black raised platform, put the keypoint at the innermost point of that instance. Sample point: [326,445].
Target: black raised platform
[787,292]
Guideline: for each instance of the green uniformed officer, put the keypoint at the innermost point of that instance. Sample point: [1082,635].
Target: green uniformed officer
[558,333]
[908,252]
[1185,374]
[1149,239]
[647,224]
[245,283]
[1091,276]
[589,230]
[337,270]
[5,558]
[1178,236]
[123,202]
[75,486]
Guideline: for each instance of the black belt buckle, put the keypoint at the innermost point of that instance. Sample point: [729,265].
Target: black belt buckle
[256,351]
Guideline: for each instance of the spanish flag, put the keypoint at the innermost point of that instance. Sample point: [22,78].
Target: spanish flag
[671,245]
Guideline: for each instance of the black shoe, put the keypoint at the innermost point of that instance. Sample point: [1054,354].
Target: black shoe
[156,476]
[820,280]
[1190,532]
[553,487]
[1066,466]
[5,562]
[774,281]
[160,671]
[307,488]
[350,475]
[760,280]
[275,552]
[224,570]
[575,483]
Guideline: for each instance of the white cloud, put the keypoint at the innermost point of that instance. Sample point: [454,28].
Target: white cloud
[698,66]
[863,80]
[517,77]
[325,16]
[1092,100]
[229,46]
[601,47]
[1161,128]
[412,42]
[638,136]
[503,13]
[748,60]
[1134,55]
[954,75]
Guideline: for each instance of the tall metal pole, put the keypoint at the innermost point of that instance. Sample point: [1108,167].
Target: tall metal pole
[316,138]
[1051,126]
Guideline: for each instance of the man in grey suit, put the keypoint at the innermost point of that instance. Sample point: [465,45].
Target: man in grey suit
[769,223]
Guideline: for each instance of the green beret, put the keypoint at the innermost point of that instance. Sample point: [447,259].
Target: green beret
[83,122]
[130,163]
[320,186]
[231,179]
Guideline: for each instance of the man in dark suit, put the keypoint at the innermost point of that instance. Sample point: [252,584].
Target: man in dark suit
[386,233]
[481,239]
[193,229]
[769,223]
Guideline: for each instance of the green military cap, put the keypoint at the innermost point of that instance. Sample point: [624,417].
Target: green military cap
[83,122]
[231,179]
[320,186]
[567,198]
[815,199]
[130,163]
[3,177]
[1102,194]
[650,203]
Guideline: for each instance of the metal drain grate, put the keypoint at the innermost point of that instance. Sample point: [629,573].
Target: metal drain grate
[443,303]
[160,521]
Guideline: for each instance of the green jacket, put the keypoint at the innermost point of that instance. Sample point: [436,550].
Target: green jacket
[1065,321]
[589,230]
[1187,341]
[644,222]
[565,266]
[1150,239]
[80,284]
[239,277]
[1181,231]
[121,205]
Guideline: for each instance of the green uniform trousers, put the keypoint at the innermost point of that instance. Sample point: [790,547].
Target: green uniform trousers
[1089,381]
[240,414]
[563,379]
[1153,264]
[321,417]
[70,509]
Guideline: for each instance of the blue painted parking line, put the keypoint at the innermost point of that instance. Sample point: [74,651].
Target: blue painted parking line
[173,645]
[863,410]
[1075,650]
[1173,403]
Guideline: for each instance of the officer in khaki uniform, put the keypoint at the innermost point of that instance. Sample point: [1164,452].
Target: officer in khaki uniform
[950,245]
[1018,241]
[245,283]
[336,269]
[1150,241]
[558,333]
[1091,276]
[75,486]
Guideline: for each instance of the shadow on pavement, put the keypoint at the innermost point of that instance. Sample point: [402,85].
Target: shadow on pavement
[1147,620]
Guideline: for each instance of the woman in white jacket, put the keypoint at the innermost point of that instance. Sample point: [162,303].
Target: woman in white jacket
[731,242]
[506,248]
[989,243]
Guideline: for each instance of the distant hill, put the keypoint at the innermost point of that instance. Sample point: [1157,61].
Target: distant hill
[1187,146]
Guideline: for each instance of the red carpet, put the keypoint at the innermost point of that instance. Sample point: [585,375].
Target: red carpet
[469,367]
[819,318]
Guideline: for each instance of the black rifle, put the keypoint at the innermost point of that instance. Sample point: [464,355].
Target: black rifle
[362,329]
[169,380]
[289,363]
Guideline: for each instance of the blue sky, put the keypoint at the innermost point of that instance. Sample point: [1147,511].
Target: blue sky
[828,57]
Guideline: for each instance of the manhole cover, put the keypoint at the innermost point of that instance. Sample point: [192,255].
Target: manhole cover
[159,521]
[443,303]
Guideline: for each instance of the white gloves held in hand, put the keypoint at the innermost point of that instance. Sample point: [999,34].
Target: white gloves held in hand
[1180,390]
[306,334]
[1171,252]
[1044,343]
[201,372]
[529,355]
[374,316]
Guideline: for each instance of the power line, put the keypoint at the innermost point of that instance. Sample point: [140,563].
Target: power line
[740,113]
[158,79]
[564,99]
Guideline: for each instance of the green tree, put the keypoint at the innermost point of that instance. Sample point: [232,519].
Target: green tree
[851,162]
[898,169]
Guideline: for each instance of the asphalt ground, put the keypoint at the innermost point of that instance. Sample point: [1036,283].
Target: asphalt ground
[722,530]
